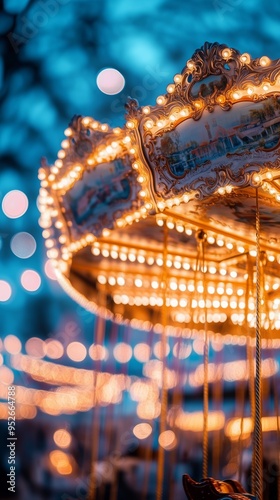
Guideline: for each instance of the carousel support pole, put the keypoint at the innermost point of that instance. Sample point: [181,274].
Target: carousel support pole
[201,237]
[250,364]
[206,375]
[96,415]
[258,451]
[164,394]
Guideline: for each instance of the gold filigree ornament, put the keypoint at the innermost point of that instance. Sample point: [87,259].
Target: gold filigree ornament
[193,162]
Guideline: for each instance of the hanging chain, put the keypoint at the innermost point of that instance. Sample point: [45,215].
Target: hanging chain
[258,455]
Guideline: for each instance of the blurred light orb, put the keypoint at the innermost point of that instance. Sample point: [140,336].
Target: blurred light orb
[198,346]
[6,375]
[76,351]
[30,280]
[23,245]
[5,291]
[182,350]
[61,461]
[12,344]
[148,410]
[217,345]
[35,347]
[27,411]
[110,81]
[98,352]
[62,438]
[142,431]
[158,350]
[167,440]
[142,352]
[49,270]
[14,204]
[53,349]
[122,352]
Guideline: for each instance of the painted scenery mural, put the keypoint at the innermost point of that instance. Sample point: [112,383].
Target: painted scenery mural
[217,135]
[104,191]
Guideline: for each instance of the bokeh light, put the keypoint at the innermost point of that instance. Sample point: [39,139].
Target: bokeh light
[23,245]
[14,204]
[12,344]
[122,352]
[98,352]
[53,349]
[142,431]
[158,350]
[167,440]
[35,347]
[198,346]
[142,352]
[61,462]
[6,375]
[5,291]
[30,280]
[182,350]
[76,351]
[110,81]
[148,409]
[62,438]
[49,270]
[27,411]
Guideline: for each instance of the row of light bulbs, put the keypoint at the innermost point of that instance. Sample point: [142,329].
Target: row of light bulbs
[142,256]
[176,302]
[186,111]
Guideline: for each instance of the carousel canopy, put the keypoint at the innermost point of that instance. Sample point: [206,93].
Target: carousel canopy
[162,212]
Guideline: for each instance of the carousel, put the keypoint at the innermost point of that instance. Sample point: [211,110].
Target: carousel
[170,225]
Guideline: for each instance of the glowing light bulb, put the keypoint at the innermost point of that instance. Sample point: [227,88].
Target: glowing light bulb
[229,245]
[177,78]
[245,58]
[190,64]
[149,124]
[226,53]
[160,99]
[130,124]
[264,61]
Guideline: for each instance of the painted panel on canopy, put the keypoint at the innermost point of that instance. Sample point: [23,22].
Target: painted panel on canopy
[104,194]
[216,139]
